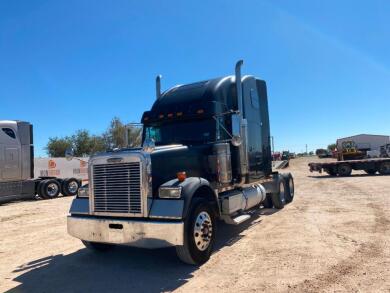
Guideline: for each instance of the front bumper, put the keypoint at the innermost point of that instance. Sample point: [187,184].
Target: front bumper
[138,233]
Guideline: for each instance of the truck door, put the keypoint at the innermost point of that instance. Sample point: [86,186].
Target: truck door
[10,165]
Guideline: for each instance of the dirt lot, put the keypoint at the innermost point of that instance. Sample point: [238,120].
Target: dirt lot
[335,236]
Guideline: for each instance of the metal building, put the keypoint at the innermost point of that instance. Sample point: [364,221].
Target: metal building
[366,142]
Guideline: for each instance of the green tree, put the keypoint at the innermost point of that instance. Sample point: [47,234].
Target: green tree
[97,144]
[120,135]
[81,143]
[332,147]
[56,146]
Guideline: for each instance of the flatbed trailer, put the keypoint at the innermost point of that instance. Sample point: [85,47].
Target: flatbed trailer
[344,168]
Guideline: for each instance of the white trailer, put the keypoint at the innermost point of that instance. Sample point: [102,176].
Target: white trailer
[17,180]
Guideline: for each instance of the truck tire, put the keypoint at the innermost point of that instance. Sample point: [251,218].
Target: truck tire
[199,233]
[331,172]
[370,171]
[70,186]
[384,168]
[98,247]
[267,203]
[344,170]
[49,188]
[290,188]
[279,197]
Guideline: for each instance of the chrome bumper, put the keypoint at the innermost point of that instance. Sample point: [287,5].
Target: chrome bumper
[138,233]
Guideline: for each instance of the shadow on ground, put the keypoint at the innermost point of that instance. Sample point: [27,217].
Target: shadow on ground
[124,269]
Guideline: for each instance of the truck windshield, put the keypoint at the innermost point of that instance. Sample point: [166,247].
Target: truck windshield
[186,132]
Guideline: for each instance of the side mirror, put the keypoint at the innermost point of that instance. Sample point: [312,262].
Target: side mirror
[69,154]
[148,145]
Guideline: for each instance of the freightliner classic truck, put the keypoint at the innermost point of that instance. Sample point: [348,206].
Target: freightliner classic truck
[206,156]
[17,180]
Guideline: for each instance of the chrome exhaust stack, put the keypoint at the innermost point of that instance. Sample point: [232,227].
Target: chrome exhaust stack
[158,86]
[240,126]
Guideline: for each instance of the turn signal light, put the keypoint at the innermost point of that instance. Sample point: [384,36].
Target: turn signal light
[181,176]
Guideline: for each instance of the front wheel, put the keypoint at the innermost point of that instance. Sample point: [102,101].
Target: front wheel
[199,234]
[344,170]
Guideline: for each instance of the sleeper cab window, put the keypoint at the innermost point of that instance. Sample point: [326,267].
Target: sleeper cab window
[254,99]
[9,132]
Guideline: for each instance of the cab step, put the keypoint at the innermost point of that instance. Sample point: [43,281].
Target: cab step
[236,220]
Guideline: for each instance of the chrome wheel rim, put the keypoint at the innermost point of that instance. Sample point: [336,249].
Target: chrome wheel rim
[52,189]
[203,231]
[72,186]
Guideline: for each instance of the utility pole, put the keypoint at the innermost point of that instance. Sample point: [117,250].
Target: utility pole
[273,147]
[306,149]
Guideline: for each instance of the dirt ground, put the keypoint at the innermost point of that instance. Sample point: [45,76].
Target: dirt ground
[335,236]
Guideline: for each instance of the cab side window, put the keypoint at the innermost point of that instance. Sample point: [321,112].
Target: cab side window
[9,132]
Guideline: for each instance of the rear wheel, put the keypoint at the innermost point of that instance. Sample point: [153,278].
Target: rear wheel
[290,188]
[49,188]
[70,186]
[331,172]
[268,202]
[95,246]
[384,168]
[279,197]
[344,170]
[370,171]
[199,234]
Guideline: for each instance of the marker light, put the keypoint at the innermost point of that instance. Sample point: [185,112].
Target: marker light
[181,176]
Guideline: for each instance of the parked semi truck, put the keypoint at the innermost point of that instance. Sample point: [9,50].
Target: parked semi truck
[17,180]
[206,156]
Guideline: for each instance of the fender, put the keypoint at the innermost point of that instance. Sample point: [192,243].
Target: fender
[189,187]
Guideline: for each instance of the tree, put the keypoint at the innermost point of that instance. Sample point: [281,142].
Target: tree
[332,147]
[56,147]
[118,132]
[81,142]
[97,144]
[118,135]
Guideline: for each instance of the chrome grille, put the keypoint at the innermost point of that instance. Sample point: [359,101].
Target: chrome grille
[117,188]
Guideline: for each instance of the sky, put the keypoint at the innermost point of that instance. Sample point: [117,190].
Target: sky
[75,64]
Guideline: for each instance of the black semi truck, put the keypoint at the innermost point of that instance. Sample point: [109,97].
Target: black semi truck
[206,156]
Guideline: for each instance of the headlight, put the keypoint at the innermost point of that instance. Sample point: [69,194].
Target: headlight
[83,192]
[169,192]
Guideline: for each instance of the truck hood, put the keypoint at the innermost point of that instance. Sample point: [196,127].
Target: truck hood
[170,159]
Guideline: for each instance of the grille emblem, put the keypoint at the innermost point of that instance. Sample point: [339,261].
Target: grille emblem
[114,160]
